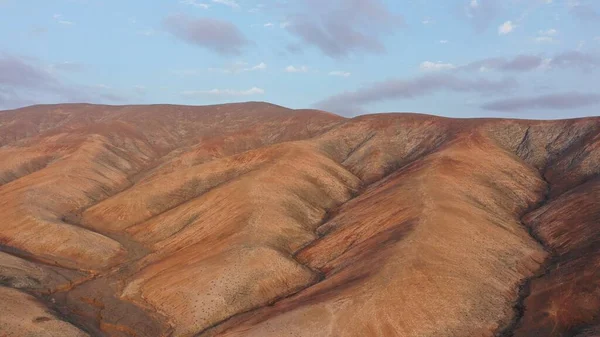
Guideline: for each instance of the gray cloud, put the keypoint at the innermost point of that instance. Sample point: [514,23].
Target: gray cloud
[576,59]
[24,83]
[342,27]
[219,36]
[9,98]
[524,63]
[15,72]
[353,101]
[560,101]
[584,11]
[519,63]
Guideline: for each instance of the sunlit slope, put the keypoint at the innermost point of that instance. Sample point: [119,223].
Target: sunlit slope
[436,249]
[252,219]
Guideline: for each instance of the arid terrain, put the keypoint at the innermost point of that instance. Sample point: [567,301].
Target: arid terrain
[252,219]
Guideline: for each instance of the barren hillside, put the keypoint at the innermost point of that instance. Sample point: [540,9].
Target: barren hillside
[252,219]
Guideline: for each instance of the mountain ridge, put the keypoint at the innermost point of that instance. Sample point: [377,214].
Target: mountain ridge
[201,220]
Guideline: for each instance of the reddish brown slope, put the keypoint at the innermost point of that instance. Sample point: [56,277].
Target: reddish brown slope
[438,236]
[253,219]
[95,152]
[566,298]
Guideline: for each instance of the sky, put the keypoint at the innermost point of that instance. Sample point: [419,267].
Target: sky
[535,59]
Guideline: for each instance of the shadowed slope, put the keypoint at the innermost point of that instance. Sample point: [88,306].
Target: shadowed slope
[566,152]
[566,299]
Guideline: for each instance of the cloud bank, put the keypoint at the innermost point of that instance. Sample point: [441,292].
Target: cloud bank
[22,82]
[353,102]
[342,27]
[215,35]
[558,101]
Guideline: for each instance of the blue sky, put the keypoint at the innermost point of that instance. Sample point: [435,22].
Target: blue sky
[461,58]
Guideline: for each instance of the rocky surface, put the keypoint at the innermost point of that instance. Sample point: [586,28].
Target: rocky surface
[251,219]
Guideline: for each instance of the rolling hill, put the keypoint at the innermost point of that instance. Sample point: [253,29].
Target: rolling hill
[251,219]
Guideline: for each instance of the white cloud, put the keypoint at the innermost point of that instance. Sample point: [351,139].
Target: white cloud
[260,66]
[474,4]
[340,73]
[240,67]
[58,18]
[285,24]
[506,28]
[443,41]
[427,21]
[292,69]
[436,66]
[546,36]
[228,3]
[223,92]
[195,3]
[268,24]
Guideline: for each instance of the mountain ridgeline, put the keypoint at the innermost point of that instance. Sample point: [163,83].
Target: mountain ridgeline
[252,219]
